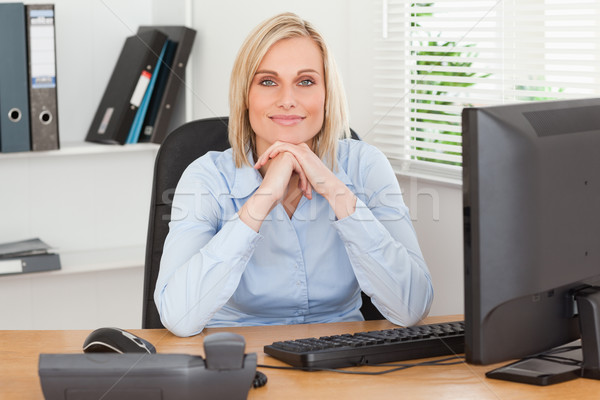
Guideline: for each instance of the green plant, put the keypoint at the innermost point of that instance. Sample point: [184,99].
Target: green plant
[539,89]
[427,76]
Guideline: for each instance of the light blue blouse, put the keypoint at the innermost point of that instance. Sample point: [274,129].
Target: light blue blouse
[216,271]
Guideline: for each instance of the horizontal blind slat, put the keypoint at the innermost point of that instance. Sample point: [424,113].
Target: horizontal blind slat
[443,55]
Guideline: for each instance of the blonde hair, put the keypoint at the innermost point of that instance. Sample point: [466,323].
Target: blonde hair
[283,26]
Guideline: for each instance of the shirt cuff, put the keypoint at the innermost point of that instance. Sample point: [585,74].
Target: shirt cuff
[361,229]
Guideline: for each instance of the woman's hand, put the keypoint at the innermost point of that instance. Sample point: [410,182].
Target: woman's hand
[277,177]
[318,176]
[274,188]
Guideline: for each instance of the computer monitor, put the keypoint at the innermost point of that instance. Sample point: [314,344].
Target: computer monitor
[531,186]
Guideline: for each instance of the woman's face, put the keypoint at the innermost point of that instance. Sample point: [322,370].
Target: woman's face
[286,101]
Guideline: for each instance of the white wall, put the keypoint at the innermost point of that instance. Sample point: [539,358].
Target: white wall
[92,205]
[436,212]
[223,25]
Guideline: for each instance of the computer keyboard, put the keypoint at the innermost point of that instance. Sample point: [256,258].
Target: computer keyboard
[374,347]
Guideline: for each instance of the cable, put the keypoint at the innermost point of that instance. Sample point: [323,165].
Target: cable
[260,380]
[551,355]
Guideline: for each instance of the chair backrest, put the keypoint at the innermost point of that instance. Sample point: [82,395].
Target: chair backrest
[178,150]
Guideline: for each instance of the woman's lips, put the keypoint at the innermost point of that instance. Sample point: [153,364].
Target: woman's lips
[286,120]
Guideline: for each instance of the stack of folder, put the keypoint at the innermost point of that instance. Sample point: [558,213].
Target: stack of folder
[25,256]
[28,109]
[139,99]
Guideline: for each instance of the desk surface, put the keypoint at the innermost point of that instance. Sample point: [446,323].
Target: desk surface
[19,352]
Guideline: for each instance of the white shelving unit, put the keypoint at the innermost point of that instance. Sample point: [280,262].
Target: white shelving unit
[80,149]
[91,203]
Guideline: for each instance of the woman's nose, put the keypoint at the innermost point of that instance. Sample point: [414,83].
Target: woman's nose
[286,98]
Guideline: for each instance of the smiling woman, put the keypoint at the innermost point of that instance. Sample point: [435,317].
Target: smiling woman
[291,223]
[246,66]
[286,103]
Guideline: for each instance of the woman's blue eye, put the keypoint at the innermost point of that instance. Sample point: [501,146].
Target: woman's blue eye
[267,82]
[306,82]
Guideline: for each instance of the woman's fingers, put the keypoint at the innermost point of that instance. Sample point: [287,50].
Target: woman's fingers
[313,174]
[281,170]
[310,167]
[275,149]
[303,182]
[266,156]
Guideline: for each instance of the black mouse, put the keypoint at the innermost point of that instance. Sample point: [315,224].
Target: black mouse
[108,340]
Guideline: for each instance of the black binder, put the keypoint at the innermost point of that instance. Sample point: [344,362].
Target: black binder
[42,77]
[14,97]
[157,123]
[126,87]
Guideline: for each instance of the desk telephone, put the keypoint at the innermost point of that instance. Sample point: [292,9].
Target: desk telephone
[110,373]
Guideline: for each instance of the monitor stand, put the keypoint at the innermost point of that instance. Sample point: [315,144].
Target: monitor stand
[588,305]
[568,362]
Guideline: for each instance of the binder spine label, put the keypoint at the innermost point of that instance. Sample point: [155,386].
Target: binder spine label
[11,267]
[105,120]
[41,41]
[140,88]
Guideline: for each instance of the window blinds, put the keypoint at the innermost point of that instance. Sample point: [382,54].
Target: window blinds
[433,59]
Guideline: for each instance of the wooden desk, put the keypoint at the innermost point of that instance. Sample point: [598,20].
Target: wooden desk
[19,352]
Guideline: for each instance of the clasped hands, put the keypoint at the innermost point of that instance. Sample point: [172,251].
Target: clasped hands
[286,159]
[279,163]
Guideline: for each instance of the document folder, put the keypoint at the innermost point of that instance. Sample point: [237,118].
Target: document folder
[126,88]
[14,102]
[27,256]
[157,123]
[136,127]
[42,77]
[157,98]
[27,247]
[27,264]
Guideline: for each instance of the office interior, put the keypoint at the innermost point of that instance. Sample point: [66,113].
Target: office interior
[91,202]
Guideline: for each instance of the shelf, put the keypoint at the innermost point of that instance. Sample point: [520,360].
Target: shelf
[83,148]
[101,260]
[76,262]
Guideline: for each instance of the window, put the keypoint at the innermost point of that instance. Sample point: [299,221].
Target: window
[435,58]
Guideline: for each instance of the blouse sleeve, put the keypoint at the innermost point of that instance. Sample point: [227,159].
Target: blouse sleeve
[382,245]
[204,255]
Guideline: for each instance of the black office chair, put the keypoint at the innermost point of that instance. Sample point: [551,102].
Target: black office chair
[178,150]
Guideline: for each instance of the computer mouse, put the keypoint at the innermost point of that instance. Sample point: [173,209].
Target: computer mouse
[107,340]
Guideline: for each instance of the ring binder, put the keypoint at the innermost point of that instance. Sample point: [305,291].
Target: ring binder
[119,104]
[14,98]
[157,123]
[42,77]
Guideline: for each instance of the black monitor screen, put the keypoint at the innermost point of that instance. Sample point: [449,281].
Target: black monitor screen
[531,186]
